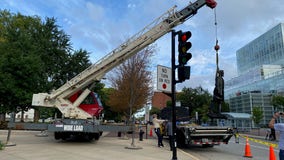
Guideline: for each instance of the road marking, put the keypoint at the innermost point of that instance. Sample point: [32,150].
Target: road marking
[274,145]
[192,156]
[259,147]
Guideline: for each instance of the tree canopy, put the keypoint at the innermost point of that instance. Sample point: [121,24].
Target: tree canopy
[277,102]
[257,114]
[132,83]
[36,56]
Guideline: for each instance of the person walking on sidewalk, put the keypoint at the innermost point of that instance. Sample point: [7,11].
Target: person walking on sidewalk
[157,122]
[278,127]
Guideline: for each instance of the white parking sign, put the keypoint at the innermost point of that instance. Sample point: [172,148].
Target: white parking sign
[164,78]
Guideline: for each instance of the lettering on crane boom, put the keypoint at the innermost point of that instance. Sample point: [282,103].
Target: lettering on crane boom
[73,128]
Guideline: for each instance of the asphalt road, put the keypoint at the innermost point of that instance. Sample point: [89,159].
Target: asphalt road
[231,151]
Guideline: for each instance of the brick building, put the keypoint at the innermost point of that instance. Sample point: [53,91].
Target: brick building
[159,100]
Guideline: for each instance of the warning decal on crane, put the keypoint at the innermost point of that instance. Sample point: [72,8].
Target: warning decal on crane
[164,78]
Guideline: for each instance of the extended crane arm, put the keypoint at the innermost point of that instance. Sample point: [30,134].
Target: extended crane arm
[149,34]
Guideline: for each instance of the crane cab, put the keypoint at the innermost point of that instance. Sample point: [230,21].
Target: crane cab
[92,103]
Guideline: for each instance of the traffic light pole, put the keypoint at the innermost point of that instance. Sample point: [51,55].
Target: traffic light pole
[173,96]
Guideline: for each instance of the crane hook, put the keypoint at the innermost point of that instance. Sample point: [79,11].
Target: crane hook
[217,47]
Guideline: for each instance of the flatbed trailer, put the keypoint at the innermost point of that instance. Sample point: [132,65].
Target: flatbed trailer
[205,136]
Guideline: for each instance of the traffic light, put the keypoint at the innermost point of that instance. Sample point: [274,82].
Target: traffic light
[183,47]
[183,56]
[183,73]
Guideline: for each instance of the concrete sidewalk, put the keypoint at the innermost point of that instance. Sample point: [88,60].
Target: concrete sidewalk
[29,147]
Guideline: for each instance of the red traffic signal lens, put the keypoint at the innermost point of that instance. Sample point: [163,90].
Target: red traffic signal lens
[184,36]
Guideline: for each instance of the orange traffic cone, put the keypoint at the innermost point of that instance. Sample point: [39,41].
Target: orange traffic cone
[151,133]
[271,153]
[247,150]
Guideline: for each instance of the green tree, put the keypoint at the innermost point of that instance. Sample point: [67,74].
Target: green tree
[36,56]
[194,99]
[20,63]
[257,114]
[155,110]
[277,102]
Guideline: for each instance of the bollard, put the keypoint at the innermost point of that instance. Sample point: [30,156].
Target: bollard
[118,134]
[141,132]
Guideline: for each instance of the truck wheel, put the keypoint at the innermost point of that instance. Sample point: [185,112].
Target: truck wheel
[207,145]
[57,135]
[180,140]
[97,136]
[89,136]
[65,135]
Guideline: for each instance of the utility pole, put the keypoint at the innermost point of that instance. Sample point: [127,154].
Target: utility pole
[173,96]
[183,74]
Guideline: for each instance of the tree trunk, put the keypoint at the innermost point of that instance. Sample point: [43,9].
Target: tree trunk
[36,115]
[2,117]
[22,115]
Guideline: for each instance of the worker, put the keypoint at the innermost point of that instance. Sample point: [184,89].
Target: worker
[236,134]
[272,134]
[156,123]
[267,136]
[278,127]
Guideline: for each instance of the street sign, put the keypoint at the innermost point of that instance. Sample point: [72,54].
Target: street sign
[164,79]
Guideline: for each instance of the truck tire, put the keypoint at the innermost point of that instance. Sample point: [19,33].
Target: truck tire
[180,139]
[57,135]
[97,136]
[89,136]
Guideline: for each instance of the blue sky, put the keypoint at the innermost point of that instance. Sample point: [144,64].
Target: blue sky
[99,26]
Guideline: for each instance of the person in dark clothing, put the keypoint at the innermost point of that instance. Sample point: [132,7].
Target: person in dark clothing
[170,134]
[272,134]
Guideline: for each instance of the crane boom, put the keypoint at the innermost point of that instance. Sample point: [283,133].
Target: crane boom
[159,27]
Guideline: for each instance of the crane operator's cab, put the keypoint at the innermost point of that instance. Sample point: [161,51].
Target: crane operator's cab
[92,103]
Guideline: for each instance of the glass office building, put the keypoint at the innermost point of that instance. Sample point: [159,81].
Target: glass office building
[260,66]
[266,49]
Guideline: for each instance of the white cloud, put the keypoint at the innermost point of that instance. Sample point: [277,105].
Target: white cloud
[95,12]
